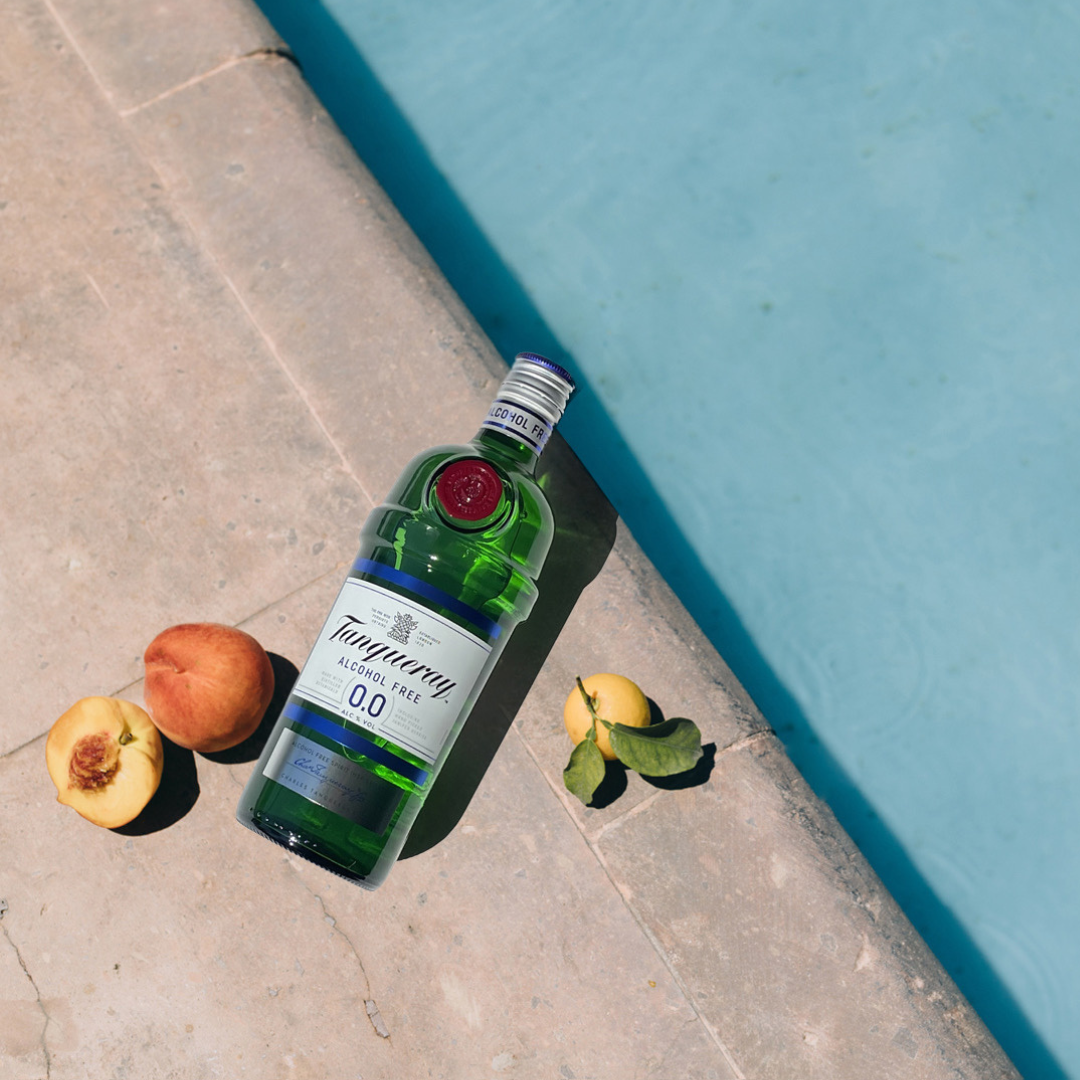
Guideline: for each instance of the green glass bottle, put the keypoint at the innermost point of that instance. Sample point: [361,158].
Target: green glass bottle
[447,568]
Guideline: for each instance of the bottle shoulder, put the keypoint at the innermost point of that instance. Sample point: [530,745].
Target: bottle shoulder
[492,564]
[412,489]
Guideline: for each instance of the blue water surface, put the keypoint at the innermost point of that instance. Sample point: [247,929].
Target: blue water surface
[818,268]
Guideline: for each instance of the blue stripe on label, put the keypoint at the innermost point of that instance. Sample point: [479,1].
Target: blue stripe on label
[429,592]
[347,737]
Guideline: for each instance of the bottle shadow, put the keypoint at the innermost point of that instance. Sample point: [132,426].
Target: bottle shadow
[176,794]
[584,536]
[391,149]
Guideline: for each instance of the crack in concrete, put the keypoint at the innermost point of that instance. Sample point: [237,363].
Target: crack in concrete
[235,779]
[370,1006]
[34,986]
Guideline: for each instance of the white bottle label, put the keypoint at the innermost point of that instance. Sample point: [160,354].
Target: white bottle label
[393,667]
[523,424]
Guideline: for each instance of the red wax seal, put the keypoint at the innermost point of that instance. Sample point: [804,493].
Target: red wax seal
[469,490]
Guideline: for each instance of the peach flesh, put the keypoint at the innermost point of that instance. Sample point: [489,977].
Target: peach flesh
[105,757]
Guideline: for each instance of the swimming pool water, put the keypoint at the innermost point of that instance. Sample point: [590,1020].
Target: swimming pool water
[819,270]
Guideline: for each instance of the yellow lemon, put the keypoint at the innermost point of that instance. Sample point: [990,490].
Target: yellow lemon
[615,699]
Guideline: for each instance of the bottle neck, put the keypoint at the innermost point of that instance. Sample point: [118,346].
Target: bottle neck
[526,409]
[523,457]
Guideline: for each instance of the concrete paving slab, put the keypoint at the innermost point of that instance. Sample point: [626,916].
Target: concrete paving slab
[155,453]
[281,189]
[793,951]
[272,967]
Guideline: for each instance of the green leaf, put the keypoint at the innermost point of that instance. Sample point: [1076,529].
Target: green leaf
[659,749]
[582,776]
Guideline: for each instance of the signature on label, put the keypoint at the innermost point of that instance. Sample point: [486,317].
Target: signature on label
[319,769]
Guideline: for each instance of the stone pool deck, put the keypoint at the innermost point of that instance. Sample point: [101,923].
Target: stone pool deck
[219,345]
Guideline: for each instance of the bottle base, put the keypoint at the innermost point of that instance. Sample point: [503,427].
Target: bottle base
[368,882]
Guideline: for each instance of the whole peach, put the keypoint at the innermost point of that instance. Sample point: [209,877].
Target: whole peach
[207,685]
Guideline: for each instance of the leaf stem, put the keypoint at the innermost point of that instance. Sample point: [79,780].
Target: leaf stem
[590,704]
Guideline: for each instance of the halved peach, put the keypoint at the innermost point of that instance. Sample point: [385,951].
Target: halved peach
[105,757]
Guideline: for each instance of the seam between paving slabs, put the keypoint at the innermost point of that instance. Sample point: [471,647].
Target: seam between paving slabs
[267,340]
[121,691]
[593,843]
[746,742]
[203,246]
[255,54]
[56,17]
[301,393]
